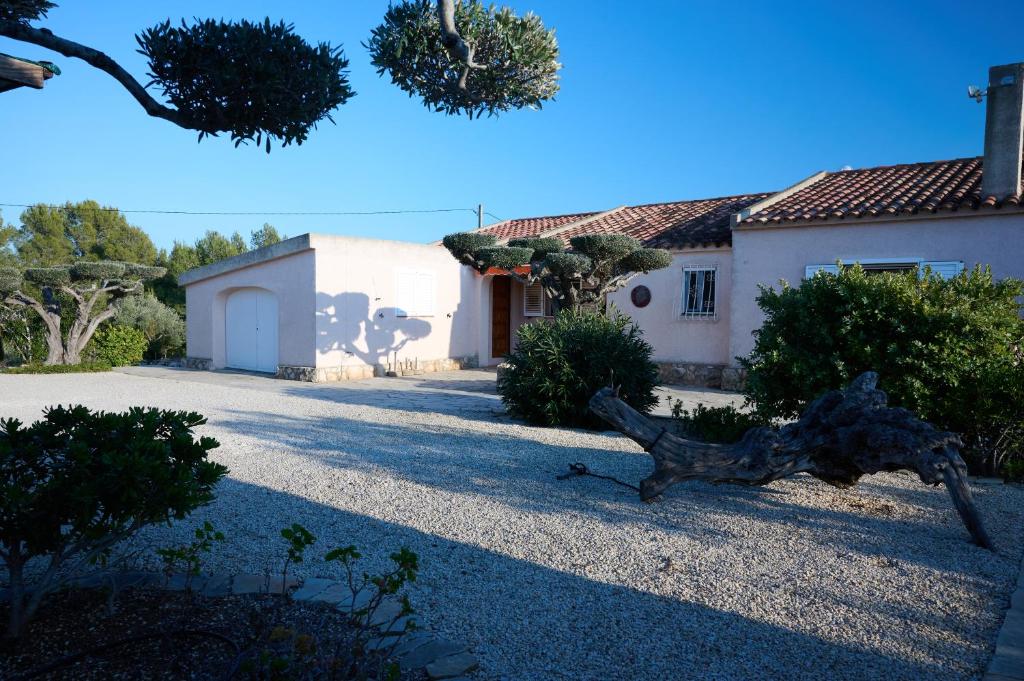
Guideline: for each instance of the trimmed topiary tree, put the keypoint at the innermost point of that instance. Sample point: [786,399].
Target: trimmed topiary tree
[557,367]
[78,297]
[77,483]
[948,350]
[596,265]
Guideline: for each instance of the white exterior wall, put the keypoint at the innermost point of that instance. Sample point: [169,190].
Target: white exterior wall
[765,255]
[289,278]
[675,338]
[356,303]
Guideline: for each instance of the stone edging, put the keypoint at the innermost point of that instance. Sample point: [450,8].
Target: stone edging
[440,659]
[1008,662]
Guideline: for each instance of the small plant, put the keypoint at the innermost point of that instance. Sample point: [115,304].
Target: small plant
[557,367]
[299,539]
[78,482]
[377,622]
[722,425]
[190,556]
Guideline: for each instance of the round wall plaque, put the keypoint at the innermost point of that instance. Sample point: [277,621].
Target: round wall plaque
[640,295]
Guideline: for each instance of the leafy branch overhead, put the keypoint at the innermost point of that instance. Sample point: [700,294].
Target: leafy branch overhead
[465,57]
[594,265]
[260,81]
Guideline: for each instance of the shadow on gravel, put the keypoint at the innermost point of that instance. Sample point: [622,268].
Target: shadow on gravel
[522,473]
[527,621]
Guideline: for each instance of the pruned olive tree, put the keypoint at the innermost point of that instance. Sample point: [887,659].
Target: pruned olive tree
[73,300]
[581,276]
[259,81]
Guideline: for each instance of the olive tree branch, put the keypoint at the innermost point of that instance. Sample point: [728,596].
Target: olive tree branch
[45,38]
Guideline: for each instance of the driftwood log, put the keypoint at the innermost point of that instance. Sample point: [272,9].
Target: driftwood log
[842,436]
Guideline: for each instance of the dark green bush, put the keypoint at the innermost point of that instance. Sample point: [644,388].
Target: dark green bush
[504,257]
[558,366]
[945,349]
[83,368]
[48,276]
[540,245]
[78,482]
[96,271]
[467,243]
[118,345]
[723,425]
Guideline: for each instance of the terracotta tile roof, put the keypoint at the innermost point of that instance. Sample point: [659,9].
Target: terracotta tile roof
[888,191]
[678,224]
[520,227]
[883,192]
[675,224]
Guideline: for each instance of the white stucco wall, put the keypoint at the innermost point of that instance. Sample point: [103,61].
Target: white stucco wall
[766,255]
[289,278]
[356,318]
[675,338]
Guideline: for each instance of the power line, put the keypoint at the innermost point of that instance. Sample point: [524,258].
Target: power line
[493,216]
[266,212]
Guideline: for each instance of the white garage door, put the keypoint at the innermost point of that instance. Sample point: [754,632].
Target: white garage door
[251,330]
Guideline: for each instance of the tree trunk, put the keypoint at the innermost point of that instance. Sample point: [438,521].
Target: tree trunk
[842,436]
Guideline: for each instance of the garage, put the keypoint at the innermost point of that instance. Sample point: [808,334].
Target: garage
[250,337]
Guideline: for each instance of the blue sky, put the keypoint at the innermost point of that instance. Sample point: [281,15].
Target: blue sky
[660,101]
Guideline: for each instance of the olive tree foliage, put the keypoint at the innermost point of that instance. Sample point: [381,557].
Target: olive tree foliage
[162,326]
[79,297]
[465,57]
[581,276]
[260,81]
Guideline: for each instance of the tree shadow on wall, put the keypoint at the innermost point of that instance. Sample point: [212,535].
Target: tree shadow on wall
[351,328]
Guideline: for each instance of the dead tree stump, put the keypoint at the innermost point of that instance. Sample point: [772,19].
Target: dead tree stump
[842,435]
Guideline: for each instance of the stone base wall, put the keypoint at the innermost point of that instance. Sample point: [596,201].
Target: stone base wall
[203,363]
[359,372]
[718,376]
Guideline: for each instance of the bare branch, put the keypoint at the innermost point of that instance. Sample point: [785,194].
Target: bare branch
[44,38]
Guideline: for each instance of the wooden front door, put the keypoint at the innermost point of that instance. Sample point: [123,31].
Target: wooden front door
[501,329]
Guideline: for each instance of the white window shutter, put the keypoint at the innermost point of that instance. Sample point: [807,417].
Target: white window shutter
[947,269]
[811,270]
[405,294]
[426,295]
[533,300]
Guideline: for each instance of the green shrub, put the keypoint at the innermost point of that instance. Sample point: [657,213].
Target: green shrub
[162,326]
[78,482]
[945,349]
[723,425]
[117,345]
[1013,470]
[83,368]
[558,366]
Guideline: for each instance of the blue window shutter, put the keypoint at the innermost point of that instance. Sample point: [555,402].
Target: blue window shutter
[947,269]
[811,270]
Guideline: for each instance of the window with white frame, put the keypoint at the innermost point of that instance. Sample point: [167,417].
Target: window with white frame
[534,303]
[699,284]
[415,293]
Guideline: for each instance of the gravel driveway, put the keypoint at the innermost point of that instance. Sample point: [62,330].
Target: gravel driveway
[577,579]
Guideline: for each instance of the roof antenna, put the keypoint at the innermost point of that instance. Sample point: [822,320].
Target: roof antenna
[976,93]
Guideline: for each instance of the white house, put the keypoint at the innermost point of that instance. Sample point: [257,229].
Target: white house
[328,308]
